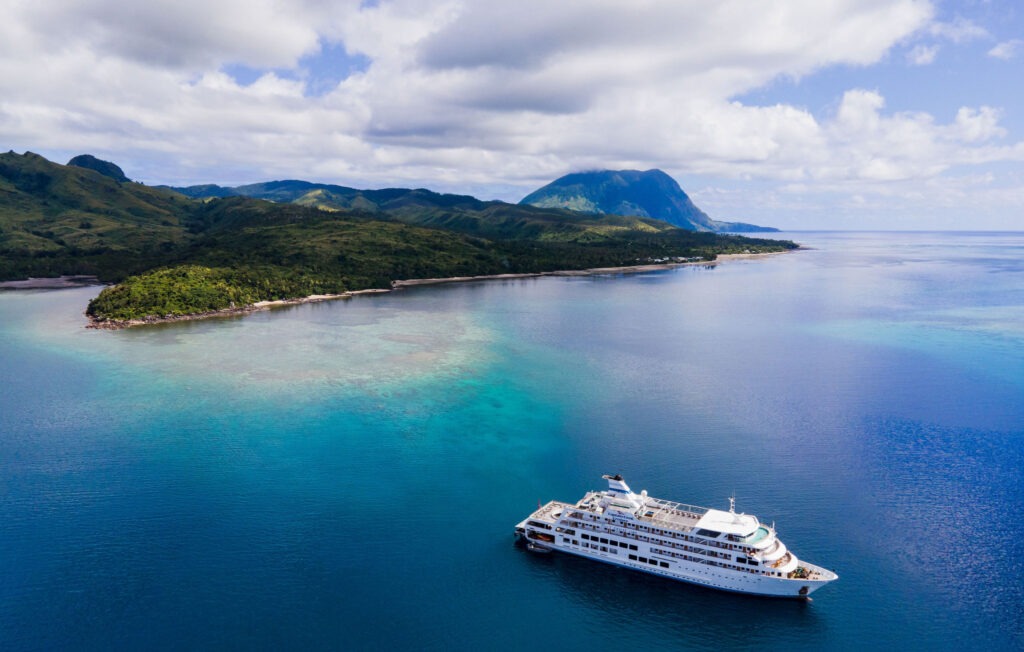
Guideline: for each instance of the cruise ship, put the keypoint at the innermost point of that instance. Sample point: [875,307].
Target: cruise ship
[720,549]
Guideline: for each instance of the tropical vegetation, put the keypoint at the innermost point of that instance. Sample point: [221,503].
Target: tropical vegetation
[171,254]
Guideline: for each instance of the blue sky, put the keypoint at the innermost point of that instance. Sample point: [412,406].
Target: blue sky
[321,70]
[835,114]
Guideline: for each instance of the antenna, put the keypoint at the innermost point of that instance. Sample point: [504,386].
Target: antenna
[732,504]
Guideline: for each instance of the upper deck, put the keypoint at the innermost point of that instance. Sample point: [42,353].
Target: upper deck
[673,516]
[654,511]
[621,504]
[549,513]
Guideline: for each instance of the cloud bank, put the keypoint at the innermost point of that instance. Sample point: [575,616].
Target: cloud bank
[484,96]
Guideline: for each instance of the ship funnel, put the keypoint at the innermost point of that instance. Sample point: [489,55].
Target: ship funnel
[617,484]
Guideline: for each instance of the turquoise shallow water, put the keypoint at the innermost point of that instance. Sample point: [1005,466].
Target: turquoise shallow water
[347,475]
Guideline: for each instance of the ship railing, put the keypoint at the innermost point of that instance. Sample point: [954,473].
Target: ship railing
[782,561]
[707,562]
[679,507]
[545,511]
[642,532]
[676,516]
[671,524]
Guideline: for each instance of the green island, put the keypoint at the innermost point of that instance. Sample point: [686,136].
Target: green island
[172,254]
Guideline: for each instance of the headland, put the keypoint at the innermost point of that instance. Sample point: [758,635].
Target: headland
[117,324]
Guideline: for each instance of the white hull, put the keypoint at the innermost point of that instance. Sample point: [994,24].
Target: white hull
[722,550]
[729,581]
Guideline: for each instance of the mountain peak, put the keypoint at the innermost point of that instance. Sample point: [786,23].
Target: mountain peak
[106,168]
[650,193]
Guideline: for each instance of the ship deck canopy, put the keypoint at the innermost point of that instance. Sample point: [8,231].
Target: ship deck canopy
[728,522]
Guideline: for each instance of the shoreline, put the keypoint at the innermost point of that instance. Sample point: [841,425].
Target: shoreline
[594,271]
[52,283]
[259,306]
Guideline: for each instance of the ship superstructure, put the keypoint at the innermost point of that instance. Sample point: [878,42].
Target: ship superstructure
[720,549]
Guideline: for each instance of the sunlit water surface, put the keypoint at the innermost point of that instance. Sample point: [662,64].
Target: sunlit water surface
[347,475]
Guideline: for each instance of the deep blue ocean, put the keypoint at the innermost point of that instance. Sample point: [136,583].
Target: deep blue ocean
[347,475]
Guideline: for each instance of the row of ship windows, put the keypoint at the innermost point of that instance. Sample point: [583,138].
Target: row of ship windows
[699,551]
[710,562]
[609,542]
[666,533]
[592,546]
[652,562]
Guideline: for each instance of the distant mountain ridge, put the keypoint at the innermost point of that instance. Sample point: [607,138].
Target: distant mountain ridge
[422,207]
[649,195]
[334,197]
[57,219]
[652,194]
[74,219]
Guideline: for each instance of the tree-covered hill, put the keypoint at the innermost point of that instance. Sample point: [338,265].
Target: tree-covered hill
[252,250]
[106,168]
[461,213]
[57,219]
[651,194]
[173,254]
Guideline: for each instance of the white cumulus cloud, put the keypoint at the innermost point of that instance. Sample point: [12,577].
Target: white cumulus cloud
[922,55]
[959,30]
[1007,49]
[474,95]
